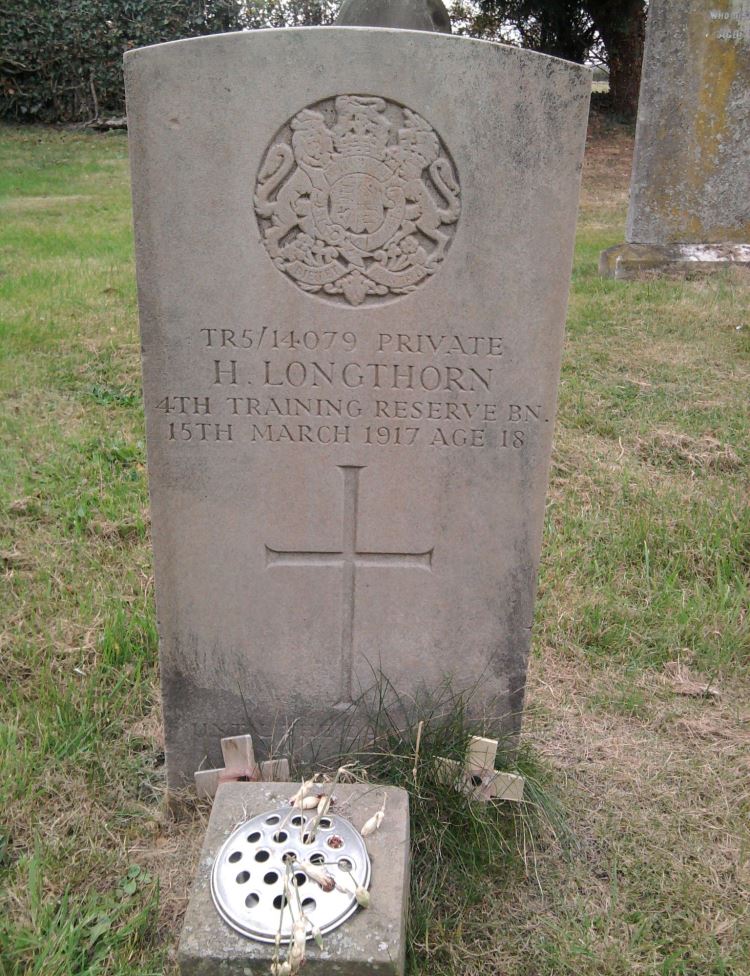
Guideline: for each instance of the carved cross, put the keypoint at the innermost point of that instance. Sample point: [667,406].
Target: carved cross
[350,558]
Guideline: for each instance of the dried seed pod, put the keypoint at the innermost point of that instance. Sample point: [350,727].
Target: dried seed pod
[297,950]
[363,896]
[302,792]
[318,875]
[374,822]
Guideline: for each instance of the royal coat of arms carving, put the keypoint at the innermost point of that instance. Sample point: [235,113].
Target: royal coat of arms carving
[357,199]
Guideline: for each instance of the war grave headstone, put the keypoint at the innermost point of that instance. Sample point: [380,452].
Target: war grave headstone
[690,190]
[354,248]
[353,251]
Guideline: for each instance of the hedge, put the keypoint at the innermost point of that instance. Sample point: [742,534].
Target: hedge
[61,60]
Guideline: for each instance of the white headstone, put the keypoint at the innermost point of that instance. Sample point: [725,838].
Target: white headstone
[354,248]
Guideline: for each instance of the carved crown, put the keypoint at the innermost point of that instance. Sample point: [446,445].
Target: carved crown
[361,128]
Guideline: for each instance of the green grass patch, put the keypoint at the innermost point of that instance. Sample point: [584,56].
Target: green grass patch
[462,851]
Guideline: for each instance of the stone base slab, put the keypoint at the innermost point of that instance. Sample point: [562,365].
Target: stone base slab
[628,261]
[371,943]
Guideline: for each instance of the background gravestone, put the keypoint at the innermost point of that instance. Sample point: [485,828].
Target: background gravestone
[690,191]
[429,15]
[354,249]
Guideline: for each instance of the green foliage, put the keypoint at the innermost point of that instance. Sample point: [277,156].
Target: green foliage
[62,61]
[462,852]
[69,936]
[562,28]
[288,13]
[611,31]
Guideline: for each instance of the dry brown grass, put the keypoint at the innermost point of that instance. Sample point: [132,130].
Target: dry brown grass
[707,453]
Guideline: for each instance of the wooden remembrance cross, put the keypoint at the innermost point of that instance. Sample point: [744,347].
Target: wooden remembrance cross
[349,557]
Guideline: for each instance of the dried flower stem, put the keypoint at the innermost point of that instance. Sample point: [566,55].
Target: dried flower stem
[276,965]
[416,751]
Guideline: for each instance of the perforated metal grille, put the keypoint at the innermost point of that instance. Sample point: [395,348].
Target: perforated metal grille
[247,880]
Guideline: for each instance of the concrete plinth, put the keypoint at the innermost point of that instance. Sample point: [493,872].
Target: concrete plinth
[628,261]
[371,943]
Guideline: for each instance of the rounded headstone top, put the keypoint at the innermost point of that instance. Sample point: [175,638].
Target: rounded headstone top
[424,15]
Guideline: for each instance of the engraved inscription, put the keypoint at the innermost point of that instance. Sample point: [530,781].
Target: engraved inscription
[349,557]
[357,199]
[373,389]
[734,24]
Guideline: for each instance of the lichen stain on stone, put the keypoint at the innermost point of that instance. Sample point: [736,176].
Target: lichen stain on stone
[690,188]
[711,117]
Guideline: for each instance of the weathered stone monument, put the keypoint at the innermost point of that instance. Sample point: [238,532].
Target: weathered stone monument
[690,191]
[426,15]
[354,248]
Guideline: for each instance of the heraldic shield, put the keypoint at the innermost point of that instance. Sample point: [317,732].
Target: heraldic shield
[357,199]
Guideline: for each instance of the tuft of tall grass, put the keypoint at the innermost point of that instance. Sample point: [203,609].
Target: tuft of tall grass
[462,850]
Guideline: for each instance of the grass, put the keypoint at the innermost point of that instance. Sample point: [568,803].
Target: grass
[462,851]
[633,857]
